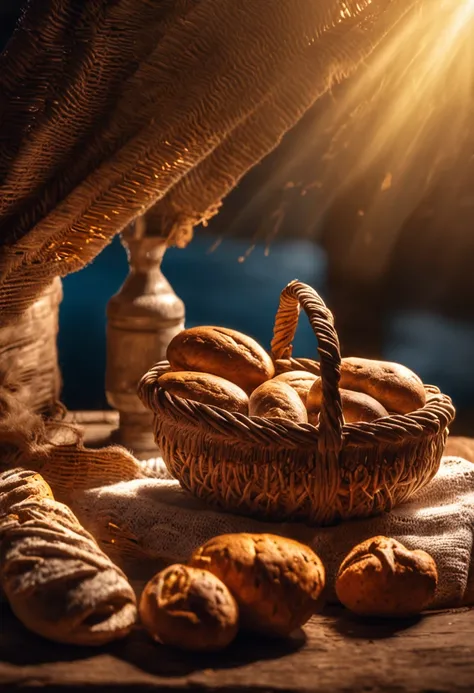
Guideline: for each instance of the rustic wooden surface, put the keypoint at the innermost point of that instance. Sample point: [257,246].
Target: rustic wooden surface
[335,653]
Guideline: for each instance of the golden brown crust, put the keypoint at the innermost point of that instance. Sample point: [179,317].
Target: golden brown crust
[380,577]
[396,387]
[205,388]
[59,583]
[277,400]
[189,608]
[17,485]
[301,381]
[356,406]
[276,582]
[223,352]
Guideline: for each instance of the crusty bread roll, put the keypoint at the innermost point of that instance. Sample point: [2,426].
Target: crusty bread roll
[380,577]
[356,406]
[301,381]
[276,582]
[220,351]
[18,485]
[205,388]
[189,608]
[277,400]
[396,387]
[59,583]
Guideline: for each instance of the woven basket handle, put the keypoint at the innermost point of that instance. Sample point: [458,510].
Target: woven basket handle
[294,297]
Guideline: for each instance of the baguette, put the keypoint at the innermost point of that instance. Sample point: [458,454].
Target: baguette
[223,352]
[277,400]
[396,387]
[356,406]
[205,388]
[59,583]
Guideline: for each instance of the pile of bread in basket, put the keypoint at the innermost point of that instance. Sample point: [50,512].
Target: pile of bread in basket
[254,433]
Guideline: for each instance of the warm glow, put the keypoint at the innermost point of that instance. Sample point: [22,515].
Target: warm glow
[428,63]
[410,110]
[406,115]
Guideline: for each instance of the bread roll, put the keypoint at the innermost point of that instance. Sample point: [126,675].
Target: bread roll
[276,582]
[57,580]
[220,351]
[189,608]
[17,485]
[277,400]
[205,388]
[356,406]
[301,381]
[396,387]
[380,577]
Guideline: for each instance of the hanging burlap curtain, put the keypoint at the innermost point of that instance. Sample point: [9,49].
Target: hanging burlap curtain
[107,108]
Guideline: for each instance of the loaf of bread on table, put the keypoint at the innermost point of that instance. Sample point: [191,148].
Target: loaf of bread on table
[396,387]
[356,406]
[57,580]
[189,608]
[205,388]
[301,381]
[221,351]
[277,400]
[381,577]
[276,582]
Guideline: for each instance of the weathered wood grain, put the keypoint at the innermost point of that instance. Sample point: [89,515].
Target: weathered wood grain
[336,653]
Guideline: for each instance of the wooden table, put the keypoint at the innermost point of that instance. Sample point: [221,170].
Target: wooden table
[336,653]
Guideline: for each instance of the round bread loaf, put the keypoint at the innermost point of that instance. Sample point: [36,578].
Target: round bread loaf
[276,582]
[205,388]
[380,577]
[189,608]
[356,406]
[301,381]
[277,400]
[220,351]
[396,387]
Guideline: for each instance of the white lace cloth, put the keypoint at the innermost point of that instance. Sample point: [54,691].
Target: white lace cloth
[169,524]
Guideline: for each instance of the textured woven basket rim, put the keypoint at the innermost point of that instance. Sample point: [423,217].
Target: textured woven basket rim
[333,433]
[394,429]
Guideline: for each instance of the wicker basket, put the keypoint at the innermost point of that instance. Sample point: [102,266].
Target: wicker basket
[284,471]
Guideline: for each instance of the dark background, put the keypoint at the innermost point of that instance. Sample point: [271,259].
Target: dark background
[420,312]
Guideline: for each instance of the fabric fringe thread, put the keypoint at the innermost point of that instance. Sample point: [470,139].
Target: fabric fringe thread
[56,450]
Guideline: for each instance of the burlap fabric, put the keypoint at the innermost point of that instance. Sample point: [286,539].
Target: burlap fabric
[56,450]
[109,107]
[29,355]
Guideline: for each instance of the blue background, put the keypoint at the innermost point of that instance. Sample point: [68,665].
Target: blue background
[218,289]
